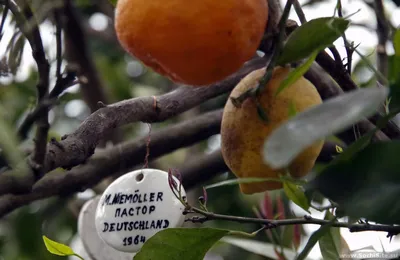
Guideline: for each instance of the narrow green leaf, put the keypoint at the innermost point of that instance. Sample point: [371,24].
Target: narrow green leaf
[297,73]
[330,242]
[313,240]
[328,118]
[396,42]
[57,248]
[180,243]
[314,35]
[372,67]
[295,194]
[258,247]
[113,2]
[394,68]
[240,180]
[292,109]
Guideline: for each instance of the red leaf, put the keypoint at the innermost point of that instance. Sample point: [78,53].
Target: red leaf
[280,208]
[267,208]
[296,236]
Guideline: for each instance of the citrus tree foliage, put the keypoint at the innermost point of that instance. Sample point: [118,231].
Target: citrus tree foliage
[88,70]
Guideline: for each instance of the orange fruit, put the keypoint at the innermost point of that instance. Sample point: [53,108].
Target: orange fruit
[243,132]
[194,42]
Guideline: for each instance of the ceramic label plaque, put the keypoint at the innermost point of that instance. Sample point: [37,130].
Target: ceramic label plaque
[135,207]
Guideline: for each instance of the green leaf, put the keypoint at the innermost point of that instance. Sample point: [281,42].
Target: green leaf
[113,2]
[394,68]
[369,183]
[319,122]
[9,147]
[240,180]
[314,35]
[330,242]
[313,240]
[16,53]
[292,109]
[262,114]
[180,243]
[295,194]
[396,42]
[358,145]
[297,73]
[57,248]
[258,247]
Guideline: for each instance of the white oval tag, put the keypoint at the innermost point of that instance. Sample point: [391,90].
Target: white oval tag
[92,244]
[135,207]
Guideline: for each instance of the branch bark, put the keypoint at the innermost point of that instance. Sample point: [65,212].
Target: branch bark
[119,158]
[76,148]
[382,30]
[124,157]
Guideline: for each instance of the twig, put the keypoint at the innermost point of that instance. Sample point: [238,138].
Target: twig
[62,83]
[237,101]
[57,18]
[382,31]
[331,206]
[348,46]
[4,17]
[38,157]
[299,12]
[208,216]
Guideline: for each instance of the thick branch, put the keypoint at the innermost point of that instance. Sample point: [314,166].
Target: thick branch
[78,146]
[75,148]
[122,158]
[118,158]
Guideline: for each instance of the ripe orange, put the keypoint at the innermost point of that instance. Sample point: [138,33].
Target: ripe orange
[243,133]
[194,42]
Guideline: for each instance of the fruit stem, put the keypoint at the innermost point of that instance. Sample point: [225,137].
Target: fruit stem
[237,101]
[278,47]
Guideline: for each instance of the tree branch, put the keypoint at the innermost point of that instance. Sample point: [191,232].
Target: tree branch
[119,158]
[382,31]
[75,148]
[124,157]
[38,156]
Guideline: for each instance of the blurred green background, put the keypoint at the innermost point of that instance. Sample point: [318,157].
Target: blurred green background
[123,77]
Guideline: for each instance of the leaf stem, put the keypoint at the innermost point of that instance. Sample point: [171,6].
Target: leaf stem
[80,257]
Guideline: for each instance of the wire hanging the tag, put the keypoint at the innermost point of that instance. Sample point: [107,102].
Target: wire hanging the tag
[146,158]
